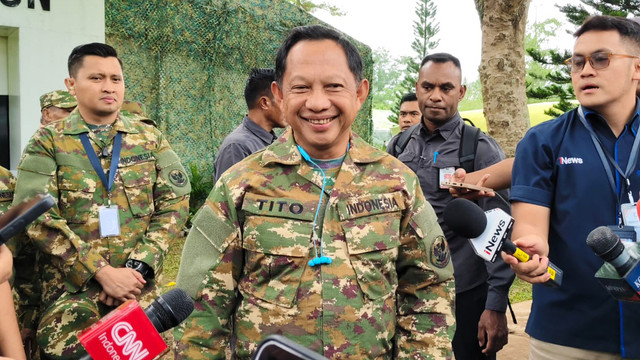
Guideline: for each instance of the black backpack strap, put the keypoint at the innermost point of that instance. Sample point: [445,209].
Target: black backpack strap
[403,140]
[468,145]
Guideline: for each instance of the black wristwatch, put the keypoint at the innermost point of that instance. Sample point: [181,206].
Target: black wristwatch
[141,267]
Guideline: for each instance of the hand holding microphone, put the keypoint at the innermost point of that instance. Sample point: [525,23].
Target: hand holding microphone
[489,232]
[130,333]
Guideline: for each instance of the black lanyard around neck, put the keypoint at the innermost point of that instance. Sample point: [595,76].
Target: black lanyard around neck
[607,160]
[93,158]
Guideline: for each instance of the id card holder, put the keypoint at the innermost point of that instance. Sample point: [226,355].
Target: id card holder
[446,175]
[630,217]
[109,221]
[626,233]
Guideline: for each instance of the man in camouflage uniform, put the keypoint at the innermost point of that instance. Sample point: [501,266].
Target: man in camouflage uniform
[105,246]
[56,105]
[348,261]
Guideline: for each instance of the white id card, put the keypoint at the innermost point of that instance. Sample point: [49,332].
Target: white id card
[109,221]
[630,217]
[446,175]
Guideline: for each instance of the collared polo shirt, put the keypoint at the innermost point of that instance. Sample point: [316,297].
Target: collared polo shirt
[557,166]
[426,154]
[246,139]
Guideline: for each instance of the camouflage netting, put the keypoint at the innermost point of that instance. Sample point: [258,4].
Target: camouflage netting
[188,61]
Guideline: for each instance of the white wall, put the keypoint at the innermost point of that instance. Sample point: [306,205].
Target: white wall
[39,43]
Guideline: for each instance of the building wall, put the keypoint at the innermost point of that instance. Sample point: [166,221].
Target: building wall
[33,59]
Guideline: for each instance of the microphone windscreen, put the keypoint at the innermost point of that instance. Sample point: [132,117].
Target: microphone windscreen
[605,243]
[465,218]
[170,309]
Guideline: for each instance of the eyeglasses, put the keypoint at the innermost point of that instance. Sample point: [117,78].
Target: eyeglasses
[598,60]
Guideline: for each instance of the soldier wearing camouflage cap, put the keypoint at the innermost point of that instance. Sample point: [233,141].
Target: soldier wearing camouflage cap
[56,105]
[122,201]
[319,237]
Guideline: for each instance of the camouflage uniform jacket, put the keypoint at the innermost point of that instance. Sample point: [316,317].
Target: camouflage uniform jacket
[7,184]
[26,273]
[389,291]
[150,189]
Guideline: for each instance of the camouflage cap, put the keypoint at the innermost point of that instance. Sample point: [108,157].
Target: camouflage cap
[134,107]
[58,98]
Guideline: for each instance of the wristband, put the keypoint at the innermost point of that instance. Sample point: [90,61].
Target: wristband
[141,267]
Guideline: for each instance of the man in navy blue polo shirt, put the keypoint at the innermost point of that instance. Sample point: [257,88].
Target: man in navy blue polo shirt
[571,175]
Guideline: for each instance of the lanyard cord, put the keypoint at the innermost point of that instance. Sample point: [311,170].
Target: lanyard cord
[318,260]
[93,158]
[607,160]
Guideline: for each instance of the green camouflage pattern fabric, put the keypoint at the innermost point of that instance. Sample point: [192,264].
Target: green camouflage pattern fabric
[137,110]
[26,267]
[151,190]
[388,293]
[58,98]
[7,185]
[134,107]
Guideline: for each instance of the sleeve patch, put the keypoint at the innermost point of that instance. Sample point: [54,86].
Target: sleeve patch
[440,253]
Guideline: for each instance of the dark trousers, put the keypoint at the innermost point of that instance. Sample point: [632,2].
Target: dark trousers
[469,307]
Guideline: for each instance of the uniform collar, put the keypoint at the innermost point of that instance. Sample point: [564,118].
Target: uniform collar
[258,131]
[446,129]
[594,116]
[74,124]
[284,151]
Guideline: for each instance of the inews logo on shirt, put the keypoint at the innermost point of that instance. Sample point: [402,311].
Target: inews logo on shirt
[565,160]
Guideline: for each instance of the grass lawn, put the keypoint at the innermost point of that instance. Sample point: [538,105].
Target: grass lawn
[536,115]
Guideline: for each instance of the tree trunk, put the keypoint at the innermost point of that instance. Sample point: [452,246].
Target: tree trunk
[502,69]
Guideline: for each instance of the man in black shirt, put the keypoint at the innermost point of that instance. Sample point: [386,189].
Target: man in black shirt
[256,130]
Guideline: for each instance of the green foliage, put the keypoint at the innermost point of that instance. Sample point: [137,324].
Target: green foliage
[200,188]
[188,62]
[387,72]
[473,98]
[577,14]
[310,6]
[424,31]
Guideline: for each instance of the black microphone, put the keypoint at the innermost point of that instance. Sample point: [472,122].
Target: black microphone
[488,232]
[620,274]
[166,312]
[169,309]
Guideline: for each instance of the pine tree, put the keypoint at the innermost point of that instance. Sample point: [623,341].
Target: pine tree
[424,30]
[559,78]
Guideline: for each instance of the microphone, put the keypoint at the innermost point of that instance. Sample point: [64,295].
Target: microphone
[620,274]
[488,232]
[128,332]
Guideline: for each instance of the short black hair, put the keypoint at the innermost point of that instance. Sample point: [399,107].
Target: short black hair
[79,52]
[627,28]
[408,97]
[318,32]
[441,58]
[258,85]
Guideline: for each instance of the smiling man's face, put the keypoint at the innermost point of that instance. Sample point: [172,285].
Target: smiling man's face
[439,90]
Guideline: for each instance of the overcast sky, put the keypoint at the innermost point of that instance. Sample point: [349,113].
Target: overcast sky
[389,24]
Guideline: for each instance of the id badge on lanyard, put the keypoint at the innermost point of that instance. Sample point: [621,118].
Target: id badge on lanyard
[108,215]
[627,215]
